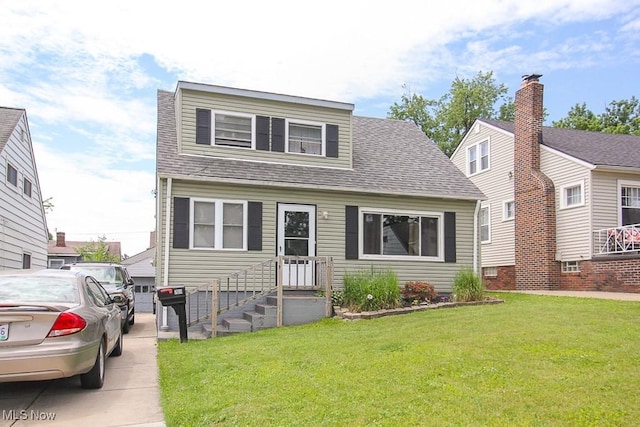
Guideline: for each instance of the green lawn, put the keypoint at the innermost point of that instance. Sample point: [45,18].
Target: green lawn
[534,360]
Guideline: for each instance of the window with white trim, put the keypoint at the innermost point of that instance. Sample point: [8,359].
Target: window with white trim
[490,271]
[572,195]
[629,203]
[571,267]
[233,129]
[485,225]
[401,234]
[508,210]
[12,175]
[305,137]
[218,224]
[26,261]
[478,157]
[26,187]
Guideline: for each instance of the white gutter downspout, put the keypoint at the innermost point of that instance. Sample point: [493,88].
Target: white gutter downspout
[475,237]
[165,267]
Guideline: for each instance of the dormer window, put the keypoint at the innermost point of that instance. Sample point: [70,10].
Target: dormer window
[227,129]
[305,138]
[233,130]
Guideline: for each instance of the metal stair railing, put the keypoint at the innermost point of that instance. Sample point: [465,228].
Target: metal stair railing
[272,275]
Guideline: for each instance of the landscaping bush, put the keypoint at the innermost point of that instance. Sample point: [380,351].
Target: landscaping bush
[467,286]
[417,292]
[370,290]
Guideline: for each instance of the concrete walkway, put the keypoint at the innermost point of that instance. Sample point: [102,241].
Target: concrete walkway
[130,395]
[622,296]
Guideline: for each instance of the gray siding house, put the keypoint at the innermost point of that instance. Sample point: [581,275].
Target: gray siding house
[245,176]
[595,180]
[23,227]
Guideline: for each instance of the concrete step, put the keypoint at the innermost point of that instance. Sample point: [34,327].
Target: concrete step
[237,325]
[267,309]
[259,320]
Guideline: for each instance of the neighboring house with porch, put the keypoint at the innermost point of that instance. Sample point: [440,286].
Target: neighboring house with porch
[245,176]
[23,226]
[578,190]
[62,251]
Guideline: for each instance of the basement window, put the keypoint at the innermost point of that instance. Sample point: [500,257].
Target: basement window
[571,267]
[490,271]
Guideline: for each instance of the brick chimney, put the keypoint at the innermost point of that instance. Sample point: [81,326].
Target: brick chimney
[60,241]
[152,239]
[535,219]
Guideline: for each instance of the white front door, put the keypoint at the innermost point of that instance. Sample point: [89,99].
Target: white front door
[297,237]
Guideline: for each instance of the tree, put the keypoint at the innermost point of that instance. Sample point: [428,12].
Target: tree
[581,118]
[619,117]
[622,117]
[97,251]
[446,120]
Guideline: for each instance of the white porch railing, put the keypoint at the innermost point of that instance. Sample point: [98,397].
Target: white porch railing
[619,240]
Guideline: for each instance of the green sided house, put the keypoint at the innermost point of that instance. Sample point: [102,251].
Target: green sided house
[257,188]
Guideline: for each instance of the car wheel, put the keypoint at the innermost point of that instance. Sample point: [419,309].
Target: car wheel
[133,317]
[95,377]
[117,350]
[125,327]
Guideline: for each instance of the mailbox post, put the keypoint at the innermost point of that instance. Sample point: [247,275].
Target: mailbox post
[175,296]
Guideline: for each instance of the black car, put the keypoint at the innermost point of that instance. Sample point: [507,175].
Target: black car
[116,280]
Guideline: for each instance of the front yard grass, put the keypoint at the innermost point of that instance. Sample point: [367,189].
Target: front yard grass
[534,360]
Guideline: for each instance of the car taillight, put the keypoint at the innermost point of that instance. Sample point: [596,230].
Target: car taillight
[67,324]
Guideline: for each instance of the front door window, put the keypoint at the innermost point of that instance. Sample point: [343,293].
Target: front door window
[296,238]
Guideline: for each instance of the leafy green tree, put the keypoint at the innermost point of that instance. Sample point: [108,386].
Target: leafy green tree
[97,251]
[581,118]
[446,120]
[622,117]
[619,117]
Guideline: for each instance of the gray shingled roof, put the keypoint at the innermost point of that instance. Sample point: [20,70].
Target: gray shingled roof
[389,156]
[8,120]
[596,148]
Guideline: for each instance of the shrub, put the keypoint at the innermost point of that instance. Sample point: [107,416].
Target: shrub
[418,292]
[337,298]
[467,286]
[370,290]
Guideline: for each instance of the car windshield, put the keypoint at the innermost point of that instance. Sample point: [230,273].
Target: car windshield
[104,275]
[38,289]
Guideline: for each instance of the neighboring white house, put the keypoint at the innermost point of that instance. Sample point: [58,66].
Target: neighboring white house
[23,227]
[589,218]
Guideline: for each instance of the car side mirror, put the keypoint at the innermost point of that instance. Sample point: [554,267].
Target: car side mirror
[130,282]
[118,299]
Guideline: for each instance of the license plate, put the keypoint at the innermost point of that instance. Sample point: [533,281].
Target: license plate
[4,332]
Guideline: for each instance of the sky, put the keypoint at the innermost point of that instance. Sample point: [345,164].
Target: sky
[87,73]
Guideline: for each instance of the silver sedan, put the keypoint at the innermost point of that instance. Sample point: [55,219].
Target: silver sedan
[56,324]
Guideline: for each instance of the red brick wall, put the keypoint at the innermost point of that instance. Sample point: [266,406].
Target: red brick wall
[535,219]
[504,280]
[607,275]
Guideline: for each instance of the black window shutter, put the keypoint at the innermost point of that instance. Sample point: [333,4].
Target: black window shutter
[181,222]
[254,242]
[332,140]
[203,126]
[262,133]
[277,135]
[449,237]
[351,232]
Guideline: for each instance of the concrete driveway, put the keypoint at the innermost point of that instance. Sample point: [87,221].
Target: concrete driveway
[130,395]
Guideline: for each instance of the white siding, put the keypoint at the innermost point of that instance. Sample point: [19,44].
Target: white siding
[497,185]
[573,229]
[193,267]
[22,223]
[189,100]
[605,197]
